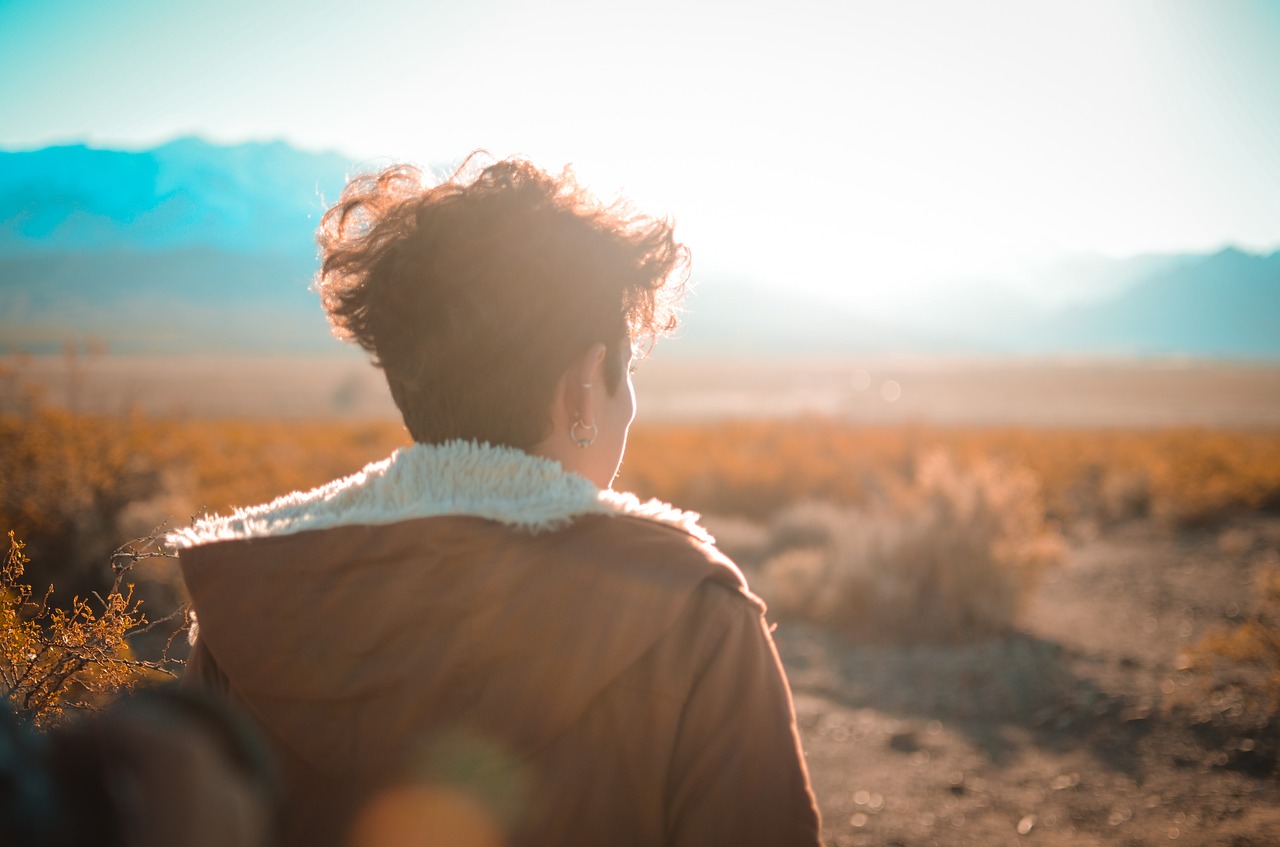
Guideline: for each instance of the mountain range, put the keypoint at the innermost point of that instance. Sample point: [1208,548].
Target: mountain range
[196,247]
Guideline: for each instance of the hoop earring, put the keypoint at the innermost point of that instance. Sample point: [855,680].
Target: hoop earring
[591,429]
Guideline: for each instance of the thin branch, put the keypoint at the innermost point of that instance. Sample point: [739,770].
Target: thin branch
[152,624]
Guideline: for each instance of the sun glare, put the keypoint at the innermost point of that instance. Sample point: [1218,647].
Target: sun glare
[848,149]
[835,146]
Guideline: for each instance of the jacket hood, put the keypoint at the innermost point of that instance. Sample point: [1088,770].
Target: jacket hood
[432,591]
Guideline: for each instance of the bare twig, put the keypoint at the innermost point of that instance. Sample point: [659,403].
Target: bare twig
[54,659]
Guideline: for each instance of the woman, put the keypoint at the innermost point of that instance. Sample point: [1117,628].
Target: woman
[477,641]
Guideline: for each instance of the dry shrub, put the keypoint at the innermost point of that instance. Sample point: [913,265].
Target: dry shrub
[1124,495]
[1240,667]
[1183,476]
[950,556]
[755,468]
[745,541]
[75,485]
[53,660]
[64,481]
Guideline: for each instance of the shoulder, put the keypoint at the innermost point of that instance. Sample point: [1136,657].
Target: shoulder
[638,548]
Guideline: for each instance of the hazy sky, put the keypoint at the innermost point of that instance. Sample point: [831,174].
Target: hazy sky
[831,144]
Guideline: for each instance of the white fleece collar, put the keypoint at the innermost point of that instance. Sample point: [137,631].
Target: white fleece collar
[455,478]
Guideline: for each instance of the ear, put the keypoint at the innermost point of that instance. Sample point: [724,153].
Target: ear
[576,391]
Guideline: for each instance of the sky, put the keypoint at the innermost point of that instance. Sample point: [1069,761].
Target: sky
[868,148]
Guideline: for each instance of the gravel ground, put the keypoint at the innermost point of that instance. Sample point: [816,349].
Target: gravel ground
[1081,728]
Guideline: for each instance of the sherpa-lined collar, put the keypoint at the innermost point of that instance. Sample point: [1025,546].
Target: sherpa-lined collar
[455,478]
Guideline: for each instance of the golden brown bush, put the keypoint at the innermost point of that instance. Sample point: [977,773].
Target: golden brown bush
[74,485]
[1243,662]
[1184,476]
[951,556]
[65,478]
[52,659]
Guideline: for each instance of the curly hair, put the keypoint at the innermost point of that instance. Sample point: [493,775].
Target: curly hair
[475,295]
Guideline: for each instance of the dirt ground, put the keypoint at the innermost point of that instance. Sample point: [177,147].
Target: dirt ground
[1080,729]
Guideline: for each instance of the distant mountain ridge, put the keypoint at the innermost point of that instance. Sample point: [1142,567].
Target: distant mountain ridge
[196,247]
[260,197]
[1224,305]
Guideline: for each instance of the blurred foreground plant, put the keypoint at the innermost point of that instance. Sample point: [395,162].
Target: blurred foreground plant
[53,660]
[952,555]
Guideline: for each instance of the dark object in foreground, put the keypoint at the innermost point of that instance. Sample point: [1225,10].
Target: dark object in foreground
[165,767]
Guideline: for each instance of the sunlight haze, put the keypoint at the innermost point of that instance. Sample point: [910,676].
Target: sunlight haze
[875,149]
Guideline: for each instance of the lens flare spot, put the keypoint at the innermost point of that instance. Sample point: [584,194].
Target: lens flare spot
[424,815]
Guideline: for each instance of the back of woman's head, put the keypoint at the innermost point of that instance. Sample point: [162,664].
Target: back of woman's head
[475,295]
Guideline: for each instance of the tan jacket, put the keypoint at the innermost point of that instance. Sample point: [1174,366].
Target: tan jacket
[465,644]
